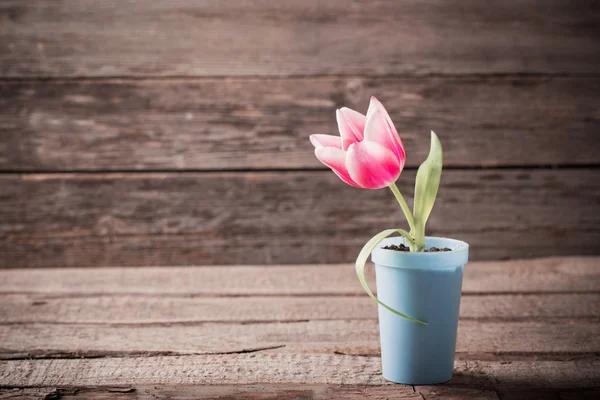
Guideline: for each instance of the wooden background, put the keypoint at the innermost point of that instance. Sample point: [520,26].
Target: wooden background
[176,132]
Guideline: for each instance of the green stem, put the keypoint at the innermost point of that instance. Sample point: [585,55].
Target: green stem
[419,236]
[408,215]
[404,207]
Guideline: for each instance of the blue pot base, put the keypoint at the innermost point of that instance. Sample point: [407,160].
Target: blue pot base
[410,382]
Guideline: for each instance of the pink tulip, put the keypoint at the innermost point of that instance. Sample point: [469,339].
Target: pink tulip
[368,154]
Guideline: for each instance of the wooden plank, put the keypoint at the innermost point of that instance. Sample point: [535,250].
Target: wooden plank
[546,275]
[590,394]
[246,392]
[217,124]
[274,217]
[533,395]
[284,368]
[120,38]
[290,391]
[445,392]
[358,337]
[128,309]
[28,393]
[257,391]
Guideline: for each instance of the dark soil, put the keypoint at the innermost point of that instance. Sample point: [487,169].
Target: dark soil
[407,249]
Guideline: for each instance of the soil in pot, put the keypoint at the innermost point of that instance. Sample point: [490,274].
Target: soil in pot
[407,249]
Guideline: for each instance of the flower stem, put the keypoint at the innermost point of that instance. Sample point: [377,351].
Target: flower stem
[406,211]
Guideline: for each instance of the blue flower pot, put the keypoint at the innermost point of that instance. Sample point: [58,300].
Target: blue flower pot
[425,286]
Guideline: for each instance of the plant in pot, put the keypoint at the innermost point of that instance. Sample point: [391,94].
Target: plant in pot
[419,278]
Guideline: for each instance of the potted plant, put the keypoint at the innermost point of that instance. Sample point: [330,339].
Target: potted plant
[419,278]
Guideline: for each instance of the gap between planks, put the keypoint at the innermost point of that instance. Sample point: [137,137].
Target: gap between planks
[72,173]
[118,79]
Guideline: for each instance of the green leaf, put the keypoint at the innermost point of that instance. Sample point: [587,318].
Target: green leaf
[426,188]
[362,258]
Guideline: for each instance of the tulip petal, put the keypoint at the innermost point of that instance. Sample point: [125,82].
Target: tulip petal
[319,140]
[336,160]
[351,125]
[380,128]
[371,165]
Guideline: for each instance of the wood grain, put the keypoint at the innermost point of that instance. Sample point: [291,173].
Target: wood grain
[28,393]
[284,368]
[358,337]
[273,217]
[188,38]
[239,392]
[253,392]
[127,309]
[223,124]
[546,275]
[291,391]
[272,391]
[153,134]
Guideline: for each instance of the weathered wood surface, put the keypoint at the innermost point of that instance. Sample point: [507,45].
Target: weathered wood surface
[355,337]
[116,38]
[290,391]
[285,368]
[529,329]
[547,275]
[153,304]
[280,392]
[281,217]
[29,393]
[188,89]
[128,309]
[239,392]
[217,124]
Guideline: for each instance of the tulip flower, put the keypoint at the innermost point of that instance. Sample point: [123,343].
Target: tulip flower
[368,153]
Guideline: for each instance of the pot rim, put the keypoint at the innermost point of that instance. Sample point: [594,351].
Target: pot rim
[459,255]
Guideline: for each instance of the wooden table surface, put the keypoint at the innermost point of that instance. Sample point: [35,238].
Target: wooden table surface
[528,329]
